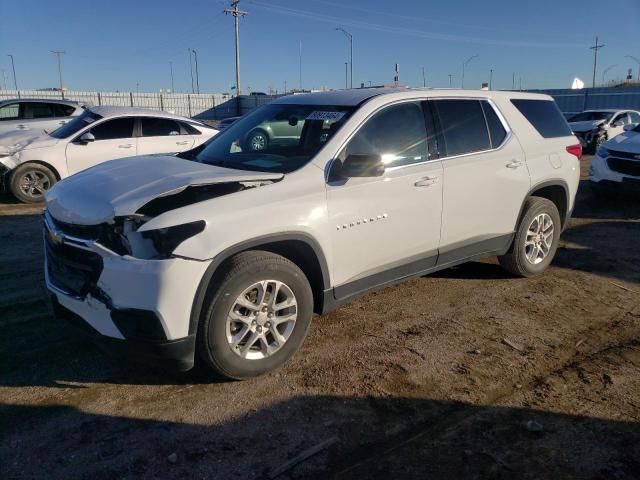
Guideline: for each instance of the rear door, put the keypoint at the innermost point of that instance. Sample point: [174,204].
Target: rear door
[40,115]
[485,178]
[162,135]
[11,116]
[113,139]
[618,123]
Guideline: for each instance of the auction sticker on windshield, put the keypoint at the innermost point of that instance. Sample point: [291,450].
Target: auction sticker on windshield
[320,115]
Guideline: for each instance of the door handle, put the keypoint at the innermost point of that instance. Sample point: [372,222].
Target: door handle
[21,127]
[62,122]
[128,145]
[426,182]
[514,164]
[182,143]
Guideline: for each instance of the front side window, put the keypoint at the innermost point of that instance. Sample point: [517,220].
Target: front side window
[275,137]
[10,112]
[114,129]
[463,126]
[75,125]
[621,118]
[397,133]
[635,117]
[159,127]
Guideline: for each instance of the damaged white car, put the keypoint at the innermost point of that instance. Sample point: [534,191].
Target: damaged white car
[226,251]
[594,127]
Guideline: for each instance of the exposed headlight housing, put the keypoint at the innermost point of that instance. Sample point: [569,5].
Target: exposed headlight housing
[166,240]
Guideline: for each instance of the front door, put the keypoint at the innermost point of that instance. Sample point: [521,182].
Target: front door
[386,227]
[113,139]
[162,135]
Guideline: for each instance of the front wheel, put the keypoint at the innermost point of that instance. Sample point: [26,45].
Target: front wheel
[536,240]
[31,181]
[257,317]
[258,141]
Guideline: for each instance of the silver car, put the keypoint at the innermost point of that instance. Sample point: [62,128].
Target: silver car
[36,114]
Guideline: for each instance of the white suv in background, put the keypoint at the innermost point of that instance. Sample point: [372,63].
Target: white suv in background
[230,254]
[616,166]
[26,116]
[31,167]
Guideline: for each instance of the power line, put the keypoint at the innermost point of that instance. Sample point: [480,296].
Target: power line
[595,49]
[235,13]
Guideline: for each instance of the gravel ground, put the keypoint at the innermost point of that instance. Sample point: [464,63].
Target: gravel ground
[467,373]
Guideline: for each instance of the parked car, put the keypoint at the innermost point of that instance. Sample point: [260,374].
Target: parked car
[616,166]
[29,168]
[35,114]
[594,127]
[225,122]
[229,255]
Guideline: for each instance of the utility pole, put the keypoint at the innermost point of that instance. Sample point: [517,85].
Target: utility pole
[300,67]
[513,81]
[13,67]
[450,80]
[171,69]
[236,13]
[58,53]
[346,75]
[350,38]
[191,70]
[595,49]
[491,79]
[635,60]
[424,79]
[464,64]
[195,54]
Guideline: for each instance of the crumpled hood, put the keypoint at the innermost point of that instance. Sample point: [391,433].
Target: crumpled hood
[581,127]
[628,142]
[26,139]
[121,187]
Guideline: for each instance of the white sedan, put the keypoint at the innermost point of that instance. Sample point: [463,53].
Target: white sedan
[29,167]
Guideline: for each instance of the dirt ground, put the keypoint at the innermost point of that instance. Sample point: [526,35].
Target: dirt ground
[467,373]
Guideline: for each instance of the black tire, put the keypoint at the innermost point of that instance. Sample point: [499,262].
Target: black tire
[233,277]
[258,140]
[29,182]
[515,261]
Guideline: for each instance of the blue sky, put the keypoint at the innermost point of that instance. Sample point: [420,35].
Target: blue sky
[114,45]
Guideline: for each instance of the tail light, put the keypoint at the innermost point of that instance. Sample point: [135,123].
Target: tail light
[575,150]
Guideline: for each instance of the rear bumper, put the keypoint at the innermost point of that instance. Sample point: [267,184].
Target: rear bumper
[172,355]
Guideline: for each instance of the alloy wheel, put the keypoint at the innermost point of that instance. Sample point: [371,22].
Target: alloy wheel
[539,238]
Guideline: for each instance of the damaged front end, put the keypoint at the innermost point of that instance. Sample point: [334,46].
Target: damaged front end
[592,139]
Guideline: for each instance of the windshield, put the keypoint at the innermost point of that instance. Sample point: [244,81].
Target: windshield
[76,124]
[591,116]
[275,138]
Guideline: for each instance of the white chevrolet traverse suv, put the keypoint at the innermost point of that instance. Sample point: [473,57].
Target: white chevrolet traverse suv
[226,253]
[31,166]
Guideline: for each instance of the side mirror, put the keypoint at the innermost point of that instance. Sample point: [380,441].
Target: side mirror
[87,137]
[362,165]
[293,121]
[619,123]
[630,127]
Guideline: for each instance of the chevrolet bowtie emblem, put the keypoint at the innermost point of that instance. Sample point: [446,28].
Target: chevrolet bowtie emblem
[55,237]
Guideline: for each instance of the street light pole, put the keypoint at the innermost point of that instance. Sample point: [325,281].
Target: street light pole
[191,70]
[491,79]
[637,61]
[605,71]
[171,69]
[195,54]
[424,79]
[13,67]
[450,80]
[350,37]
[464,64]
[59,53]
[346,75]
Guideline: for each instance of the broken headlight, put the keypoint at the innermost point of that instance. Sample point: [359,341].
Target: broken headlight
[166,240]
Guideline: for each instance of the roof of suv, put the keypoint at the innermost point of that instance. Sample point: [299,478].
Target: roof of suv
[41,100]
[357,96]
[113,111]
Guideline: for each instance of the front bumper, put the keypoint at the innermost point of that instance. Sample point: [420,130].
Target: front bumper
[600,174]
[139,308]
[4,178]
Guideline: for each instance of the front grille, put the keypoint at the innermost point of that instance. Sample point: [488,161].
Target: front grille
[72,269]
[627,167]
[86,232]
[631,156]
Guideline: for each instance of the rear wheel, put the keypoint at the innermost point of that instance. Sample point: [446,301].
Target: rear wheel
[258,141]
[257,315]
[536,240]
[30,182]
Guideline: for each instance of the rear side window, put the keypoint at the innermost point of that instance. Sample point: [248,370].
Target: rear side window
[189,129]
[38,110]
[61,110]
[112,129]
[635,117]
[463,126]
[159,127]
[497,132]
[545,117]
